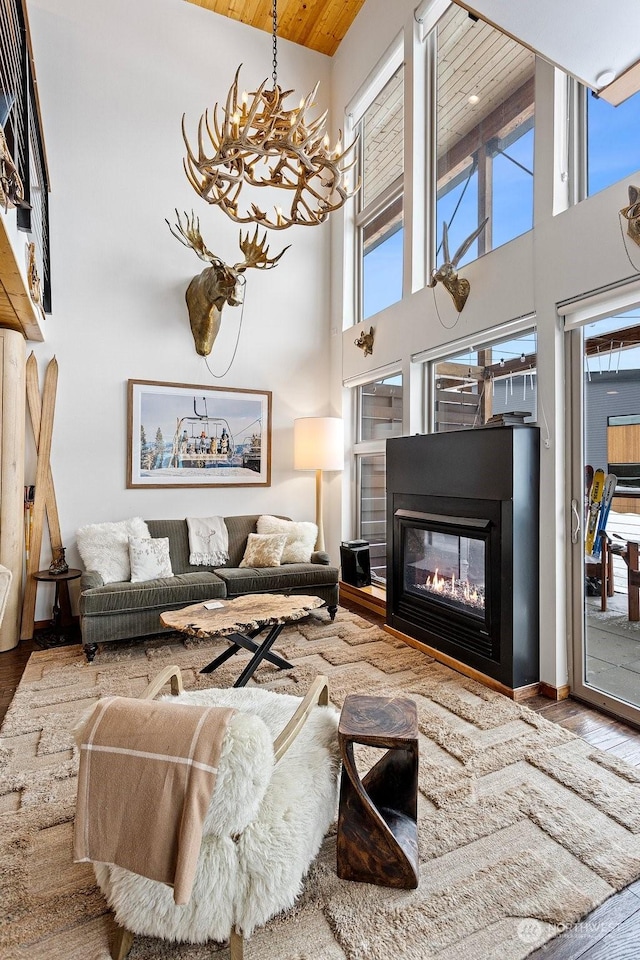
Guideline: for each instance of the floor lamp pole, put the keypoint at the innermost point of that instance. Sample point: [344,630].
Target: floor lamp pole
[319,520]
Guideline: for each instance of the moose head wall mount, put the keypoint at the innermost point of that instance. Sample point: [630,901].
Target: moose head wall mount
[219,283]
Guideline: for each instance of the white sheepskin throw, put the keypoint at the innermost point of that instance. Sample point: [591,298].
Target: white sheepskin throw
[301,537]
[263,828]
[104,547]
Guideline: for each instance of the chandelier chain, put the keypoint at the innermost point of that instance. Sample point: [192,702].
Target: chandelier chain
[275,44]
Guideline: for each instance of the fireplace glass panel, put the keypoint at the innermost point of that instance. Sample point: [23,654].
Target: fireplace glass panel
[447,568]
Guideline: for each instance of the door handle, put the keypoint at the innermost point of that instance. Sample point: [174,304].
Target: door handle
[575,532]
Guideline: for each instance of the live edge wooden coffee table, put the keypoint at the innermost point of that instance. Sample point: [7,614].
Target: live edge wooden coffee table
[241,620]
[377,821]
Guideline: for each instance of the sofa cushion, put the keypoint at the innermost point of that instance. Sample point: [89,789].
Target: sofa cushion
[263,550]
[273,579]
[301,537]
[149,558]
[104,547]
[160,594]
[239,529]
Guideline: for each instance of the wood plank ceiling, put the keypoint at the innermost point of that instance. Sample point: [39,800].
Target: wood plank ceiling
[317,24]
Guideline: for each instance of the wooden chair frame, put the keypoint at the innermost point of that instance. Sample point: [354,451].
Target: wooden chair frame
[317,694]
[630,553]
[602,568]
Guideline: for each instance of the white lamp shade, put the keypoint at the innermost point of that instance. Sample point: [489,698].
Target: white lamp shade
[318,443]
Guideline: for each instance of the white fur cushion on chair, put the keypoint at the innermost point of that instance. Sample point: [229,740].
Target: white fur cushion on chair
[301,537]
[245,874]
[104,547]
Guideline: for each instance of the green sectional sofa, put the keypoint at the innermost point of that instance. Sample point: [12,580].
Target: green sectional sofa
[121,611]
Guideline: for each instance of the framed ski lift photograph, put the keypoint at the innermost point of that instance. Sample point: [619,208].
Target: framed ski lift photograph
[189,435]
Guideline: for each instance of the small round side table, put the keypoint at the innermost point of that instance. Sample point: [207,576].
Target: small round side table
[61,619]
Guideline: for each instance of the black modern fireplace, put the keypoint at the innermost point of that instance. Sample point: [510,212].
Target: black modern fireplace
[462,546]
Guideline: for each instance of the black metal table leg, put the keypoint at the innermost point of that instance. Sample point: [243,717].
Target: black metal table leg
[260,654]
[242,641]
[229,652]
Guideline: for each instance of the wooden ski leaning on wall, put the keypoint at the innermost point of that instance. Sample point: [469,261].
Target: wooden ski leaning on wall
[41,413]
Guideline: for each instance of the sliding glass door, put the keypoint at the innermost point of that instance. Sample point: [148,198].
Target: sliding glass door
[605,512]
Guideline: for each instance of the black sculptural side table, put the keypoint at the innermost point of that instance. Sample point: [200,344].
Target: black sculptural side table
[61,620]
[377,821]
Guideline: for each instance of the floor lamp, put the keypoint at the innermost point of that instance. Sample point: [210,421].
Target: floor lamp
[318,445]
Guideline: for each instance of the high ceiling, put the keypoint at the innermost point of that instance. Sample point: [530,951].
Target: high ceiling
[317,24]
[598,46]
[596,42]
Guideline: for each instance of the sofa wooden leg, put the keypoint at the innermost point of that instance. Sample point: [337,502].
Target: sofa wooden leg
[90,650]
[332,611]
[236,944]
[121,943]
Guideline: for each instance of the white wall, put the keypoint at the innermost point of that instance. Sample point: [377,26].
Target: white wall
[114,80]
[565,256]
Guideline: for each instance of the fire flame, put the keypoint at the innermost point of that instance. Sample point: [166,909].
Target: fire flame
[452,588]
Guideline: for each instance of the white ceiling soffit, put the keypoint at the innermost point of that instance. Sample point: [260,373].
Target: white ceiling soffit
[596,41]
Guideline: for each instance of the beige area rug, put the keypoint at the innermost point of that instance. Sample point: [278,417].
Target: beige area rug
[523,827]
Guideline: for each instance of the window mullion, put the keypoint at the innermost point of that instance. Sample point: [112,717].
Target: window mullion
[376,206]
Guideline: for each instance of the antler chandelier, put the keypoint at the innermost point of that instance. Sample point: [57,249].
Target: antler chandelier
[258,142]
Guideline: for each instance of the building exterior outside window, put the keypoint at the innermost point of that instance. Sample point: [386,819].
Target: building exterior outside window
[470,387]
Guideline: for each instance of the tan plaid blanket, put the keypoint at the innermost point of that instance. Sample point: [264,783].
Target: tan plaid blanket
[147,773]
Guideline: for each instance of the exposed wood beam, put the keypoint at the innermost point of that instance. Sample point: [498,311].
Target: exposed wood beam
[17,311]
[623,86]
[613,342]
[462,371]
[500,123]
[517,365]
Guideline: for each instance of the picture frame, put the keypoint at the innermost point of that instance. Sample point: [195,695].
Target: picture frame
[191,435]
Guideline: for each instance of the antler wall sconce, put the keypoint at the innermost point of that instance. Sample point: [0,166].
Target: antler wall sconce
[632,214]
[458,287]
[365,341]
[259,142]
[219,283]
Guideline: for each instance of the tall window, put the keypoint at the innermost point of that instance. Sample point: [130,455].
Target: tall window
[613,141]
[496,379]
[380,220]
[379,416]
[485,126]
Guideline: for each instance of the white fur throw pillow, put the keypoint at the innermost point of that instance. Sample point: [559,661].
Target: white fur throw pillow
[263,551]
[149,558]
[104,547]
[301,537]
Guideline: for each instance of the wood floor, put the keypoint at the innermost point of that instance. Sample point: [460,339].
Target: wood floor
[612,932]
